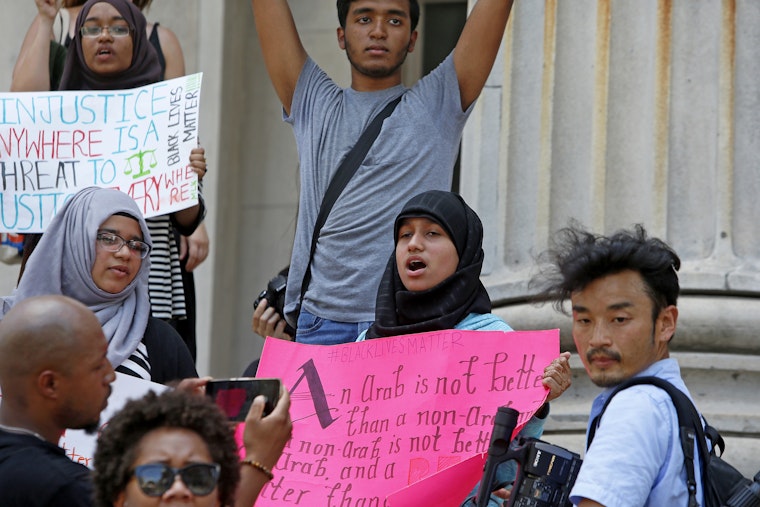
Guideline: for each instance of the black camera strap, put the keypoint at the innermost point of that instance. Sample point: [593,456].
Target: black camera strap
[342,176]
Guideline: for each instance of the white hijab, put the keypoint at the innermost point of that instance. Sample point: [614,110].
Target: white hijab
[62,264]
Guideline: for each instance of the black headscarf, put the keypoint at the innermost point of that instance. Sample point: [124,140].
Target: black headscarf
[144,70]
[400,311]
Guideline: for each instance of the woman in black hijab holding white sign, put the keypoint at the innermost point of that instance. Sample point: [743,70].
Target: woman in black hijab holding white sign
[111,51]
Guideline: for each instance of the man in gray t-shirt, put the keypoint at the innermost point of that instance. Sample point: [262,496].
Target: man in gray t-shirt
[414,152]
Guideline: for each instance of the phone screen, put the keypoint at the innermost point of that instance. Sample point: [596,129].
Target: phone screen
[235,395]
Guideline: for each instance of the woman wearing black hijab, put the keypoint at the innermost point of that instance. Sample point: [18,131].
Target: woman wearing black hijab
[109,59]
[432,282]
[111,51]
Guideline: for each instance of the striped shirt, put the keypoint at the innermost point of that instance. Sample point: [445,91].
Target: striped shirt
[167,294]
[137,364]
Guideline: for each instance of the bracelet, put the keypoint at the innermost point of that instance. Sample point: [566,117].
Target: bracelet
[258,466]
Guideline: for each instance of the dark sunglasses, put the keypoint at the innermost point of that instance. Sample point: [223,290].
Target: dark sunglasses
[155,479]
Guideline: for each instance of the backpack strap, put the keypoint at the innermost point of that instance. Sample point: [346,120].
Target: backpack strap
[715,438]
[689,423]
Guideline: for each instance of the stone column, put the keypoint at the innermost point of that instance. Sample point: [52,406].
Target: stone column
[611,113]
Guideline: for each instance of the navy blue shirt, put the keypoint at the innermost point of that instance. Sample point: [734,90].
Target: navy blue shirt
[36,473]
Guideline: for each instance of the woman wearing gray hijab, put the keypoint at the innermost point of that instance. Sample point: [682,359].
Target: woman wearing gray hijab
[95,250]
[110,50]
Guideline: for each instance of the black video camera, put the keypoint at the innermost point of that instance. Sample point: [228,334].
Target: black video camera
[748,495]
[545,472]
[275,296]
[545,475]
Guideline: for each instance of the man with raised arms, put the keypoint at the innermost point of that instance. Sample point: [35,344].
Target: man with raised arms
[414,152]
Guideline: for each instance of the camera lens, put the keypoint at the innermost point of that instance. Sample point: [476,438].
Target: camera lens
[262,295]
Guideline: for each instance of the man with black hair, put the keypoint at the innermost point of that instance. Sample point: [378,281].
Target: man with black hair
[415,151]
[54,375]
[623,290]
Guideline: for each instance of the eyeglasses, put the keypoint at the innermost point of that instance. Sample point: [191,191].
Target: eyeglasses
[93,31]
[155,479]
[113,243]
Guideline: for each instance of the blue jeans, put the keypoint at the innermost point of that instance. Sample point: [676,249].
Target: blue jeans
[318,331]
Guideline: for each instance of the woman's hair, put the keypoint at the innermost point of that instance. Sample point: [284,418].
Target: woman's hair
[118,443]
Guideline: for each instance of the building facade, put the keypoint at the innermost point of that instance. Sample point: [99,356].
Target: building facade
[608,113]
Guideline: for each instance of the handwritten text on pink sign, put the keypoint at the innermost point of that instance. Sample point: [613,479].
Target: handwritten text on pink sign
[372,417]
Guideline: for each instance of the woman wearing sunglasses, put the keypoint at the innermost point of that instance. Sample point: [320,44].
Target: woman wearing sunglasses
[179,448]
[95,250]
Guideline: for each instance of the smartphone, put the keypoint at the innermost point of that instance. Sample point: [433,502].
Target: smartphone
[235,395]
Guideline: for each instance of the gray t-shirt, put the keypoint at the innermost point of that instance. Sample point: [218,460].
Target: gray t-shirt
[415,152]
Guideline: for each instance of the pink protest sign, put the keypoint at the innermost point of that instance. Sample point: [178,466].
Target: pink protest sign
[447,487]
[371,418]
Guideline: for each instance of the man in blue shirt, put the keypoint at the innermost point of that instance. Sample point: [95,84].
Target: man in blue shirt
[623,290]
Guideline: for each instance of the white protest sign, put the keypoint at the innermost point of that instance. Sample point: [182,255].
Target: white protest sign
[80,446]
[53,144]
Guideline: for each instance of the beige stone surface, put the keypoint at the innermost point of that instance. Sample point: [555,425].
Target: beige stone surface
[608,113]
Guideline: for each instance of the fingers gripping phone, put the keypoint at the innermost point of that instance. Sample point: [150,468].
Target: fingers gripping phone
[235,395]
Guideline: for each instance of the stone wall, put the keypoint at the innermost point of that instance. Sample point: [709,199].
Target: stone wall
[607,112]
[614,113]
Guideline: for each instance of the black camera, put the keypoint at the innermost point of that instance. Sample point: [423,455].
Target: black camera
[275,296]
[545,475]
[748,495]
[545,472]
